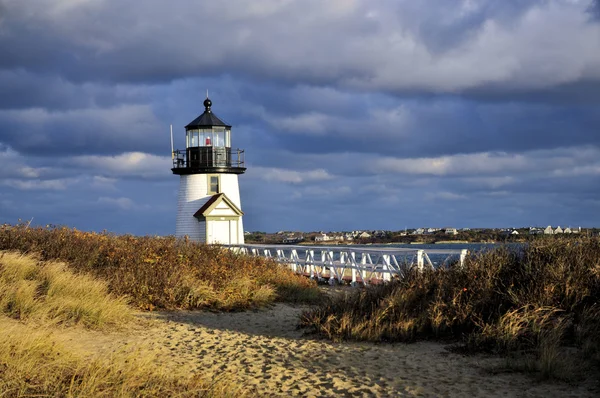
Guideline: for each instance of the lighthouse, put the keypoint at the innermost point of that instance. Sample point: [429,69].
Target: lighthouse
[208,205]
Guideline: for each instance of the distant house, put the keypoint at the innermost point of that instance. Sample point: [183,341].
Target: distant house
[348,237]
[364,235]
[558,230]
[451,231]
[432,230]
[548,230]
[419,231]
[567,231]
[293,239]
[322,238]
[535,231]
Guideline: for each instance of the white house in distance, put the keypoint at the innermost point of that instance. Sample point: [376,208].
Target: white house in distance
[550,231]
[208,205]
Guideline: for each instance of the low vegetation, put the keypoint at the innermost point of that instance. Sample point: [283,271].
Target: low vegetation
[535,301]
[37,302]
[49,293]
[156,272]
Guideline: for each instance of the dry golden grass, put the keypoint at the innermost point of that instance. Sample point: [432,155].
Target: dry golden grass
[49,292]
[37,301]
[33,363]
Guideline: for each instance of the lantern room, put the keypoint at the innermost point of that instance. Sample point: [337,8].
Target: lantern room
[208,147]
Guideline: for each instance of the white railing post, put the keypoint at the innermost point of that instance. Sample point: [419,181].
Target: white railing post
[363,271]
[420,260]
[311,253]
[463,256]
[294,258]
[386,275]
[353,264]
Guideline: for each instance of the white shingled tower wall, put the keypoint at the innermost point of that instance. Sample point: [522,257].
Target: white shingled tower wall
[208,172]
[193,194]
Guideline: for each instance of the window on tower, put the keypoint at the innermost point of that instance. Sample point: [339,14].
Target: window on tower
[213,184]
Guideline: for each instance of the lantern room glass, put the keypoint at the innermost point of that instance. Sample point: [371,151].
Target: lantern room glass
[215,137]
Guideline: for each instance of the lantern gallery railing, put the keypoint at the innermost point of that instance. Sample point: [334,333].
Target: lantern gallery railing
[206,157]
[352,263]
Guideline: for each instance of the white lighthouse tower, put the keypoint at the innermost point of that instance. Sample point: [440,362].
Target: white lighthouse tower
[208,206]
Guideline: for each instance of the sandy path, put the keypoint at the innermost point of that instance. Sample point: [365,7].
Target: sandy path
[264,351]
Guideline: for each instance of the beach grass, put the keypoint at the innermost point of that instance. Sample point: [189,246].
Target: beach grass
[48,292]
[40,301]
[33,363]
[164,272]
[535,300]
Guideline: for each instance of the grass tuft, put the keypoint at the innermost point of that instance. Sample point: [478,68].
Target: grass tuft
[49,292]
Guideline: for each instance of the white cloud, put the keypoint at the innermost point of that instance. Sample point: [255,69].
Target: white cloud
[556,162]
[120,203]
[289,176]
[131,164]
[31,185]
[444,195]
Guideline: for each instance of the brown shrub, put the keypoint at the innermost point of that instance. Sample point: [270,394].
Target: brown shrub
[157,272]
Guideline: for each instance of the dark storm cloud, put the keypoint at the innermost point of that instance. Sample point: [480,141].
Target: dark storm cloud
[462,113]
[444,24]
[90,131]
[437,127]
[390,47]
[594,9]
[23,90]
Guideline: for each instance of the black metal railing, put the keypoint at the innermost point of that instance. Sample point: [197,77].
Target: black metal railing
[201,157]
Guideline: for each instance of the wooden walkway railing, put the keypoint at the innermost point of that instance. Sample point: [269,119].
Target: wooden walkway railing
[354,264]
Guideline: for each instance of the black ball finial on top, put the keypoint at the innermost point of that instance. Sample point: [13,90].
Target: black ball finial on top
[207,104]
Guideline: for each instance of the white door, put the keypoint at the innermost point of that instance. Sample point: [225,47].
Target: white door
[220,232]
[233,232]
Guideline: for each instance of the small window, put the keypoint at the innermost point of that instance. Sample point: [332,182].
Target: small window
[213,184]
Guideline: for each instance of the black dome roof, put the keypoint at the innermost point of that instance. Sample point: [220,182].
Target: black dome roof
[207,119]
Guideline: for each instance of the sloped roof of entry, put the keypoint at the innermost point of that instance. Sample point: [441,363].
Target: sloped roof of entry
[213,202]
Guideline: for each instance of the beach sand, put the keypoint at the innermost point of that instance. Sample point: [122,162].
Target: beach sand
[265,353]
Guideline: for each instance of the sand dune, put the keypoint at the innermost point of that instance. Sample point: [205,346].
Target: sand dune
[265,352]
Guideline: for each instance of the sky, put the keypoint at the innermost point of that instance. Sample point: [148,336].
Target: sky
[354,114]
